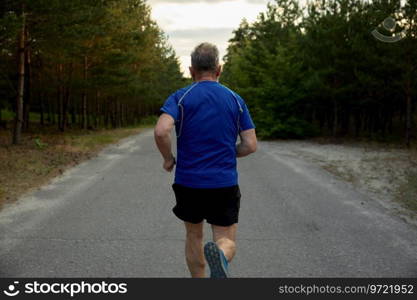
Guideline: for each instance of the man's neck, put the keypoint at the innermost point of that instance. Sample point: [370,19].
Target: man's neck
[205,79]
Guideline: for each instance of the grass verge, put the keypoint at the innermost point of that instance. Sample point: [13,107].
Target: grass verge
[45,153]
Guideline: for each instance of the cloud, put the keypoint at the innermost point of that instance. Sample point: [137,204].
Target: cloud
[190,22]
[202,33]
[203,14]
[186,40]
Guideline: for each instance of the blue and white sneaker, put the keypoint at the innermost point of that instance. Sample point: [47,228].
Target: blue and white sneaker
[216,260]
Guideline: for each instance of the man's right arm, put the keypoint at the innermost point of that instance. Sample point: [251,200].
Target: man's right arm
[248,143]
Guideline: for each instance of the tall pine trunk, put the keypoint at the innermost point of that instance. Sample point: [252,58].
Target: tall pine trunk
[335,118]
[66,95]
[49,114]
[107,113]
[408,101]
[17,133]
[60,99]
[408,116]
[84,96]
[73,114]
[41,109]
[97,113]
[28,87]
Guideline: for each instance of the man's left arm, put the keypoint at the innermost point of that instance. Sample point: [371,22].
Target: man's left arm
[162,133]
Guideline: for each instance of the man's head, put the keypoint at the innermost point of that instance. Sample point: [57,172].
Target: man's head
[205,62]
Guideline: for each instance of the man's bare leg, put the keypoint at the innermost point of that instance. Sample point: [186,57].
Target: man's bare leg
[194,249]
[225,238]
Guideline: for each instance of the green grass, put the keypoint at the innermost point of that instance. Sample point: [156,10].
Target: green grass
[8,115]
[35,117]
[149,121]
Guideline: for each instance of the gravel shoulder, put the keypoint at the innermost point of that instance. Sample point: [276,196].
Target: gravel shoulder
[387,174]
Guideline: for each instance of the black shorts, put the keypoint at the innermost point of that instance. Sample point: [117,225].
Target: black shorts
[219,206]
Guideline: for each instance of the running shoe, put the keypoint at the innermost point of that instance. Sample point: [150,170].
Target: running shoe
[216,260]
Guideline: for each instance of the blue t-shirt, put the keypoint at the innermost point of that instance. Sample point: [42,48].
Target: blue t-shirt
[208,118]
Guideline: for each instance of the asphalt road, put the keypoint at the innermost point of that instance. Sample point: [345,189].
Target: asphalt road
[111,217]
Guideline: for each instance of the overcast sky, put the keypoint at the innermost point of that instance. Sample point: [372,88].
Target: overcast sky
[190,22]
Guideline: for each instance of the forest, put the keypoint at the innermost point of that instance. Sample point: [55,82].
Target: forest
[318,70]
[82,63]
[305,69]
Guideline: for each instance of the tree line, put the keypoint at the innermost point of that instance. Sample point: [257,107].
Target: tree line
[83,63]
[317,69]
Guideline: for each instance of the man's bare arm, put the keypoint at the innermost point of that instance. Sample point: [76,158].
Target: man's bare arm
[248,143]
[162,133]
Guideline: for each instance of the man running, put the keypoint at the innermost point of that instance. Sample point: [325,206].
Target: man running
[208,118]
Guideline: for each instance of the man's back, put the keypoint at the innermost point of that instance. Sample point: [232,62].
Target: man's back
[208,118]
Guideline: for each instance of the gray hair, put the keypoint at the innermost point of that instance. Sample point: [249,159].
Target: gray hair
[205,57]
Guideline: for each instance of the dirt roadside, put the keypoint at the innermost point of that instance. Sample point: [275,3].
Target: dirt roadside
[387,173]
[46,154]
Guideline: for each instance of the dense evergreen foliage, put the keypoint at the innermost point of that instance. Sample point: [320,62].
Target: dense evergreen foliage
[318,70]
[86,63]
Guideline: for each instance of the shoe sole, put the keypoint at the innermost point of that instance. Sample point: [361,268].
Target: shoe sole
[214,260]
